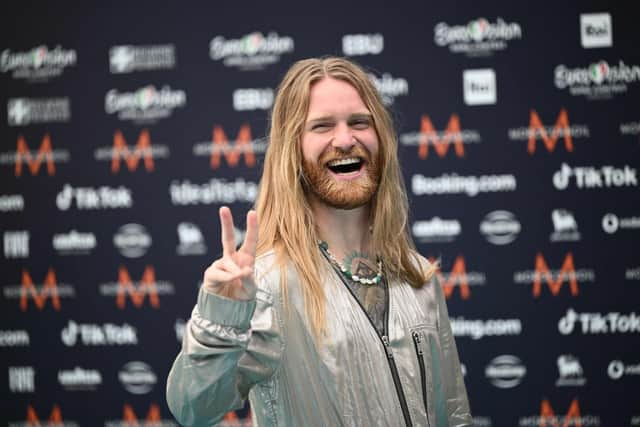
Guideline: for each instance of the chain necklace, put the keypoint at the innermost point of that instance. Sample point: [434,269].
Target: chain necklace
[347,271]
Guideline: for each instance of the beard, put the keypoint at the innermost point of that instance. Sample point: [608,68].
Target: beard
[342,194]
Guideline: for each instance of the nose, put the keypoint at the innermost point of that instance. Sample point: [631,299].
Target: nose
[343,138]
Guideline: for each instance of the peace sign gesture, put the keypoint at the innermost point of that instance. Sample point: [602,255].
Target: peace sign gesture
[232,275]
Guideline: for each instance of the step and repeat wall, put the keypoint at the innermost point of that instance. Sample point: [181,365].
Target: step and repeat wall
[125,129]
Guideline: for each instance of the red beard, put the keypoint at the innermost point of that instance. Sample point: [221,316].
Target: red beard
[342,194]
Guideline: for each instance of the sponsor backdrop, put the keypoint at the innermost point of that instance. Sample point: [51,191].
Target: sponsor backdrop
[126,129]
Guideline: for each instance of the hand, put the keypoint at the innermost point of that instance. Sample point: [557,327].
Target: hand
[232,275]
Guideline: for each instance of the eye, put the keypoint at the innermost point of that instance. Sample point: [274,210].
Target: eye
[320,126]
[360,124]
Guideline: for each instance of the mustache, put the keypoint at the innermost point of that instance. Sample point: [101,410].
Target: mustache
[333,153]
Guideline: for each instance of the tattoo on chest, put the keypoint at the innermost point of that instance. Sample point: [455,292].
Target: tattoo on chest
[360,264]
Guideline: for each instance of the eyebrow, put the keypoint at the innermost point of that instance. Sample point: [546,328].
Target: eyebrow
[351,117]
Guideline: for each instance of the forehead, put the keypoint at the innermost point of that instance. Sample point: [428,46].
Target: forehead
[330,96]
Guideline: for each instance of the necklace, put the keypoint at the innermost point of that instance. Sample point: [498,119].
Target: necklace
[347,271]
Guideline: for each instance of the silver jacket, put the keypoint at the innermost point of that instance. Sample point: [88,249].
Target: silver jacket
[234,349]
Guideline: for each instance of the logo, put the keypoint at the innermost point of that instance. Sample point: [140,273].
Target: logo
[235,419]
[215,191]
[129,418]
[34,159]
[79,379]
[22,379]
[362,44]
[39,293]
[477,329]
[611,223]
[500,227]
[590,177]
[617,369]
[252,99]
[506,371]
[92,335]
[458,276]
[565,228]
[436,230]
[128,58]
[26,111]
[252,51]
[11,203]
[548,418]
[630,128]
[389,87]
[480,421]
[121,151]
[132,240]
[596,30]
[440,140]
[632,273]
[16,338]
[479,87]
[220,146]
[179,327]
[55,419]
[478,38]
[547,134]
[88,198]
[191,240]
[556,278]
[74,243]
[570,371]
[138,291]
[137,377]
[456,184]
[38,64]
[16,244]
[146,104]
[598,323]
[599,80]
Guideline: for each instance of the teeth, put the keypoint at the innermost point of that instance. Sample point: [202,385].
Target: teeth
[341,162]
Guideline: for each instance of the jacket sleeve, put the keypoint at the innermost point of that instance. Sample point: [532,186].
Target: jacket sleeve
[228,347]
[457,402]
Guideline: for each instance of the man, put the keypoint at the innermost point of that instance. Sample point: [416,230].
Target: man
[326,315]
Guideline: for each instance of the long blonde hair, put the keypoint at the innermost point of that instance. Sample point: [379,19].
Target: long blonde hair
[285,215]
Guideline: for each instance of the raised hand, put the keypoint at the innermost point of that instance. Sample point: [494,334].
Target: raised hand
[232,275]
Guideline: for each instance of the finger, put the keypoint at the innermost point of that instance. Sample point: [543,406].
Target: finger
[223,277]
[251,238]
[228,239]
[227,264]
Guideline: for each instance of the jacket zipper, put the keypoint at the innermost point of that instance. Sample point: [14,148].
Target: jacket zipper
[384,339]
[417,339]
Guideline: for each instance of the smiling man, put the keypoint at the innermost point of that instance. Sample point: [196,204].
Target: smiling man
[326,315]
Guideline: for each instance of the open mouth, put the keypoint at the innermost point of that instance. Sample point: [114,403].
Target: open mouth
[345,166]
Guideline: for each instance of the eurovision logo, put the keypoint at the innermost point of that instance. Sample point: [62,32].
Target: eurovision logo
[254,51]
[479,37]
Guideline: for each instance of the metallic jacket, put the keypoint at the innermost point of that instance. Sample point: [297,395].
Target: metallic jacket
[258,348]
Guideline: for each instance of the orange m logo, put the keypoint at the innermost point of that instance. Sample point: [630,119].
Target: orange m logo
[49,289]
[429,136]
[548,417]
[23,154]
[147,286]
[243,145]
[458,274]
[232,418]
[129,416]
[54,419]
[567,271]
[536,127]
[121,149]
